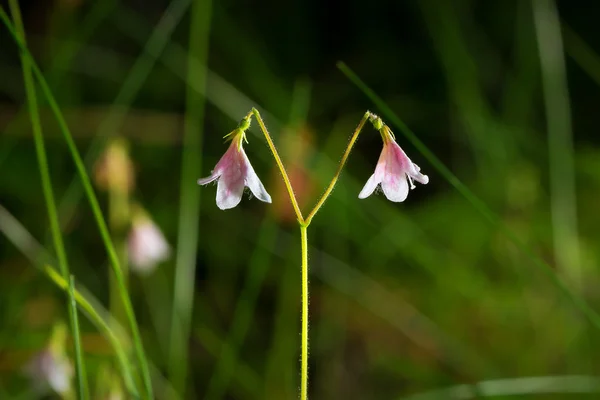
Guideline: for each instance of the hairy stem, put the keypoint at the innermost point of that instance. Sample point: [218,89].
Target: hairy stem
[304,356]
[304,223]
[339,170]
[284,174]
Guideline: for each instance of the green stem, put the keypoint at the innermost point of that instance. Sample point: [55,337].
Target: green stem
[339,170]
[118,207]
[189,203]
[284,175]
[563,199]
[304,223]
[248,382]
[60,62]
[228,359]
[79,365]
[102,325]
[42,159]
[139,350]
[304,346]
[31,249]
[131,85]
[304,242]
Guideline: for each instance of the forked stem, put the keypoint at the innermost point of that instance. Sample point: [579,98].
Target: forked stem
[304,223]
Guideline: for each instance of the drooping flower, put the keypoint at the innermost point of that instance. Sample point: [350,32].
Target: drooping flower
[146,243]
[233,173]
[394,170]
[51,368]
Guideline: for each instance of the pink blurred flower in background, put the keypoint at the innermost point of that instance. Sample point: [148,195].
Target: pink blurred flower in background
[394,170]
[51,368]
[146,243]
[233,173]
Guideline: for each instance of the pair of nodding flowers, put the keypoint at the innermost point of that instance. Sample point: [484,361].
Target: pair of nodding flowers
[394,171]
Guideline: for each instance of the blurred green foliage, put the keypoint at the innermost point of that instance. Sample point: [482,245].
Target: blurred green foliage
[405,298]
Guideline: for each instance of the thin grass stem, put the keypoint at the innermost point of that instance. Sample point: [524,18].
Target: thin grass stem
[79,364]
[189,203]
[227,361]
[563,197]
[114,260]
[286,179]
[42,159]
[90,311]
[132,83]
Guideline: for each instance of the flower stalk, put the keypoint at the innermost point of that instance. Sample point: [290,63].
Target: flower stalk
[233,171]
[284,175]
[304,329]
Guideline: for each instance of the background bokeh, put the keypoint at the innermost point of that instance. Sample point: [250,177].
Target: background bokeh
[405,298]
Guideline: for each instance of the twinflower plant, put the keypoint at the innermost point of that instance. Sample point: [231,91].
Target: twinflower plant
[394,172]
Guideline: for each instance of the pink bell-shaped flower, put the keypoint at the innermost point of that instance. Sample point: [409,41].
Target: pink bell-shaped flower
[233,173]
[394,171]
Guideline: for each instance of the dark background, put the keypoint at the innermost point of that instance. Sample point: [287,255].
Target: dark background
[405,298]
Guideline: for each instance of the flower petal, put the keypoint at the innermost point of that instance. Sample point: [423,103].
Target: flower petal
[377,176]
[228,196]
[208,179]
[231,184]
[254,183]
[415,173]
[395,187]
[369,187]
[229,160]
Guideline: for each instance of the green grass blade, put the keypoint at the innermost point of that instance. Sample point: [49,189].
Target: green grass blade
[246,379]
[102,325]
[132,84]
[560,142]
[60,62]
[79,364]
[139,350]
[42,159]
[32,250]
[227,361]
[189,204]
[281,370]
[478,204]
[582,53]
[522,386]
